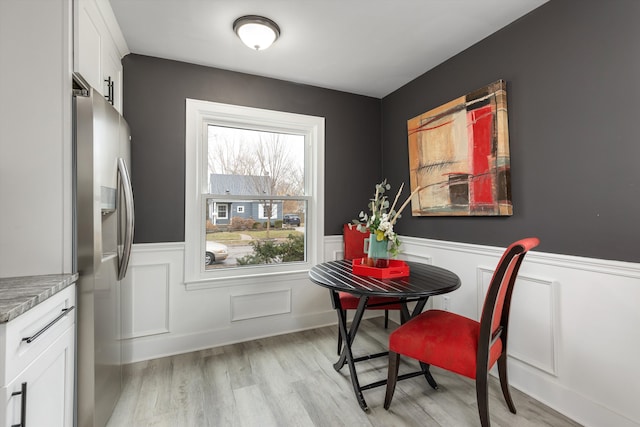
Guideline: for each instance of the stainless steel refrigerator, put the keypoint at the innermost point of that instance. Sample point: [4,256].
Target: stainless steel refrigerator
[104,220]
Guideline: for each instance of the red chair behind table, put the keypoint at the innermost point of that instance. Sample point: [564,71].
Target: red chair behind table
[354,249]
[462,345]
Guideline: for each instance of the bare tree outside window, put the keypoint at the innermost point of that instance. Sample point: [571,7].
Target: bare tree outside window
[253,153]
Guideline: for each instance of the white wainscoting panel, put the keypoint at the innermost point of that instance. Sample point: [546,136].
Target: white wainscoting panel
[195,318]
[422,257]
[333,248]
[533,329]
[260,304]
[145,300]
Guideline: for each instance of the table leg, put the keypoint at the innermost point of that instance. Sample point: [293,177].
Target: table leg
[419,307]
[347,355]
[348,336]
[405,315]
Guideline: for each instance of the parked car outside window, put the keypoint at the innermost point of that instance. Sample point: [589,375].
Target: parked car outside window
[216,252]
[291,219]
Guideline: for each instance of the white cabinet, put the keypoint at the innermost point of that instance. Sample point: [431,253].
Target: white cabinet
[35,137]
[38,364]
[98,48]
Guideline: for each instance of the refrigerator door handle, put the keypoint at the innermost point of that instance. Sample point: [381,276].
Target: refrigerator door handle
[124,185]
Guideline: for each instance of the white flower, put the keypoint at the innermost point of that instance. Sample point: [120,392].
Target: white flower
[382,217]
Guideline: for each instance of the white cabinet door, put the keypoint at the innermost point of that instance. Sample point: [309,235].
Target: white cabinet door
[112,77]
[88,45]
[48,381]
[97,56]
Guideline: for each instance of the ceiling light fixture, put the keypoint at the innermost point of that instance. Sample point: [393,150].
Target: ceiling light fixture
[257,32]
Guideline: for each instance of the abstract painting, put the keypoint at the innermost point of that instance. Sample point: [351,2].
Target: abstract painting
[459,156]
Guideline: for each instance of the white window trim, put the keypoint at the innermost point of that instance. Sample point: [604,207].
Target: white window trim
[199,114]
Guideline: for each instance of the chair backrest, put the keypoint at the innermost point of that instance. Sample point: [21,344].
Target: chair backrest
[353,242]
[497,303]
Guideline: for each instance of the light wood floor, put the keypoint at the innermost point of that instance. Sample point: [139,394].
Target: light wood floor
[289,380]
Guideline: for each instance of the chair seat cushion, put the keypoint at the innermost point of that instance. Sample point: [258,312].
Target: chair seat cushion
[350,302]
[442,339]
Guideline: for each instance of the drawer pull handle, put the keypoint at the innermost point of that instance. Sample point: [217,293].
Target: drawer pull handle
[23,405]
[33,337]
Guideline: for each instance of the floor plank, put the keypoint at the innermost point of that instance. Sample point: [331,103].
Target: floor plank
[289,380]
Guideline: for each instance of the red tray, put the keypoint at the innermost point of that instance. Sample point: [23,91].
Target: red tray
[396,268]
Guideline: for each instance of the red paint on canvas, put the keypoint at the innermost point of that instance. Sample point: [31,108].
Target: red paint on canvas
[480,146]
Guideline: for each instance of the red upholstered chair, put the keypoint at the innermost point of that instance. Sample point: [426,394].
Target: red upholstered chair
[353,249]
[460,344]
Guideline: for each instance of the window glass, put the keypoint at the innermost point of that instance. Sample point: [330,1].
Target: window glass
[259,177]
[221,211]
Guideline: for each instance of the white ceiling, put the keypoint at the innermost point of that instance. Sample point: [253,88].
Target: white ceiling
[367,47]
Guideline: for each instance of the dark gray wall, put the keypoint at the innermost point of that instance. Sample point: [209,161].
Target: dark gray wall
[573,79]
[572,70]
[154,106]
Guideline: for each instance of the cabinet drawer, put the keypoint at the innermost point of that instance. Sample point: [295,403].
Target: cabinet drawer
[41,325]
[42,395]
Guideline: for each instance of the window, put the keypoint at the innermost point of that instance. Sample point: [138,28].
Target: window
[222,211]
[267,211]
[247,170]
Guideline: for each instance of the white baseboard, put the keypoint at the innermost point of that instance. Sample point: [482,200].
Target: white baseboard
[565,400]
[156,346]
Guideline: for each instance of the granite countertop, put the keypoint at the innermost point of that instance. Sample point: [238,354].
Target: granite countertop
[19,294]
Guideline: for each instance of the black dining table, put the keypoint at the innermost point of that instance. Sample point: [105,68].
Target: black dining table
[423,281]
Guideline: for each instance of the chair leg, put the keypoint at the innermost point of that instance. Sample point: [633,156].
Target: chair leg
[392,377]
[482,395]
[427,374]
[504,381]
[386,319]
[344,312]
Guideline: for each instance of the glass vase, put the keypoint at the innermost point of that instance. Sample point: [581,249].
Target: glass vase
[377,251]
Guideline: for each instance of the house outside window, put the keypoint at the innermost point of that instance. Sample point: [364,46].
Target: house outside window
[251,167]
